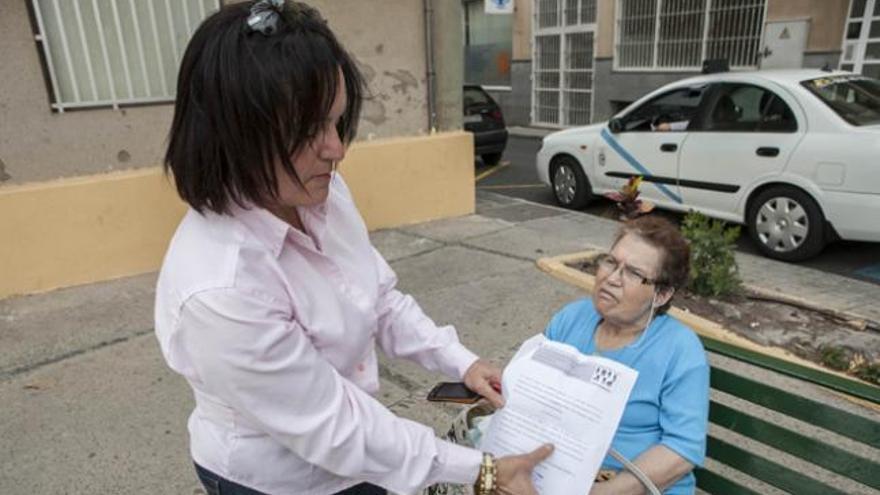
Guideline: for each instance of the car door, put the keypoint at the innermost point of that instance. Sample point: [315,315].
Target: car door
[745,133]
[647,141]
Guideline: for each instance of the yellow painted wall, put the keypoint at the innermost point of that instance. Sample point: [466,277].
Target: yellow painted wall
[75,231]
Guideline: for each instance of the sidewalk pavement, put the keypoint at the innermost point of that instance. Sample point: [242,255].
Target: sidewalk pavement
[90,407]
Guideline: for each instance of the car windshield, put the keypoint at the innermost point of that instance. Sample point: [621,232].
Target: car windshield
[855,98]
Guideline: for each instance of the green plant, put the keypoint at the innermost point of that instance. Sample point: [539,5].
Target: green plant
[714,271]
[870,372]
[834,357]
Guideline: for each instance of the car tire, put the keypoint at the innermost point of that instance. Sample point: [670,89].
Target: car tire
[786,223]
[569,183]
[491,158]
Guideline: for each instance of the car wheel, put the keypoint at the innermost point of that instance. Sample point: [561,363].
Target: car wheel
[570,185]
[786,224]
[491,158]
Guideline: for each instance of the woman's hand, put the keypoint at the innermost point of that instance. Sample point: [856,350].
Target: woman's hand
[515,472]
[484,378]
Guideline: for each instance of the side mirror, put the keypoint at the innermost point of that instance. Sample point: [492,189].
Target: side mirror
[615,125]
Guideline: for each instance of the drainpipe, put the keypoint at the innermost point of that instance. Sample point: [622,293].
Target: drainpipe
[429,65]
[444,38]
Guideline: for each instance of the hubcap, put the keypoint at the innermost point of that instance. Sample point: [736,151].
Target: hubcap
[564,184]
[782,224]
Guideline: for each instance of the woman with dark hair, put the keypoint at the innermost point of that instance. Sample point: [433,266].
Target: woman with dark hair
[271,298]
[663,428]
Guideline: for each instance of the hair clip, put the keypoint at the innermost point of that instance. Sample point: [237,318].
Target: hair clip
[264,16]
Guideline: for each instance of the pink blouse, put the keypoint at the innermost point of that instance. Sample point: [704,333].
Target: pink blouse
[275,331]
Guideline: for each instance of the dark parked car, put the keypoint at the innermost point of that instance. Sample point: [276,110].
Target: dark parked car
[482,117]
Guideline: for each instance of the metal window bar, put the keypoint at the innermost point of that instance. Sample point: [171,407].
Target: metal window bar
[169,16]
[85,47]
[189,27]
[93,43]
[157,46]
[122,50]
[110,79]
[68,60]
[140,45]
[44,43]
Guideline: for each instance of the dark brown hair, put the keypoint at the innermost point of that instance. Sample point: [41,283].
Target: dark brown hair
[675,259]
[246,100]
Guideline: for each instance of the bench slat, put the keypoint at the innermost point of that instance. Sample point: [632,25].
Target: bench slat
[828,456]
[716,484]
[766,470]
[825,379]
[844,423]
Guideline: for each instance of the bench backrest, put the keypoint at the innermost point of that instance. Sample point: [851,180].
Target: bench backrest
[831,457]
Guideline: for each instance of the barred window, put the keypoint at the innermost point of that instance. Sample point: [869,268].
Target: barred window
[115,52]
[680,34]
[563,62]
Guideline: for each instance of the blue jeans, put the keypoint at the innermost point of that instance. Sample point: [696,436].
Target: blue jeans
[218,485]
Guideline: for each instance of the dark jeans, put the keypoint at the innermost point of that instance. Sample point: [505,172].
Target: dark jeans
[217,485]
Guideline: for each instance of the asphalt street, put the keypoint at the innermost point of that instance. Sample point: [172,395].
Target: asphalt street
[515,176]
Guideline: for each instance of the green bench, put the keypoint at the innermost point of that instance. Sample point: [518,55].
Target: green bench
[833,458]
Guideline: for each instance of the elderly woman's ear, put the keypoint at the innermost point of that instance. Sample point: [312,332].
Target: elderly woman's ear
[662,295]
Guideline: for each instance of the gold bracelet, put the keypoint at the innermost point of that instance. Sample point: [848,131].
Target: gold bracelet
[486,482]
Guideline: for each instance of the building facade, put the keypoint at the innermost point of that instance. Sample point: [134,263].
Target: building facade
[86,100]
[580,61]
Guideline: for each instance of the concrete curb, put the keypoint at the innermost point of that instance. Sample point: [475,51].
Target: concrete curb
[557,267]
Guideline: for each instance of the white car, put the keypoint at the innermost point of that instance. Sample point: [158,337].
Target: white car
[794,155]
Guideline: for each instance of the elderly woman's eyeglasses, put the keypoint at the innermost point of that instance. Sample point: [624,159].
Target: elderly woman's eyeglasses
[631,276]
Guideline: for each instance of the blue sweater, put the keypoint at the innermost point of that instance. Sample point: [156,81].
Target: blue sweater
[669,404]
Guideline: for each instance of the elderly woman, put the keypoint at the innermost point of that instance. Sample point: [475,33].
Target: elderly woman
[663,429]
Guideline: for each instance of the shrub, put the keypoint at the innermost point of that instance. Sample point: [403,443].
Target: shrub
[713,266]
[870,372]
[834,357]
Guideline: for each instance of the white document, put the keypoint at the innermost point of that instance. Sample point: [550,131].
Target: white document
[554,394]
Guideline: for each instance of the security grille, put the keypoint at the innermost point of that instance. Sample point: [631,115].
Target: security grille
[578,78]
[562,74]
[546,78]
[861,43]
[680,34]
[115,52]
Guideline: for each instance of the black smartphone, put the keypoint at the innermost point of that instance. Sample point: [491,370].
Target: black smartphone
[453,392]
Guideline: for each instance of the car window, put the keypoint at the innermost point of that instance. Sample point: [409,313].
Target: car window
[855,98]
[476,96]
[677,106]
[736,107]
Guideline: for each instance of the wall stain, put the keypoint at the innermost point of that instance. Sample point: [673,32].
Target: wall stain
[123,156]
[373,111]
[3,175]
[405,81]
[367,70]
[380,48]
